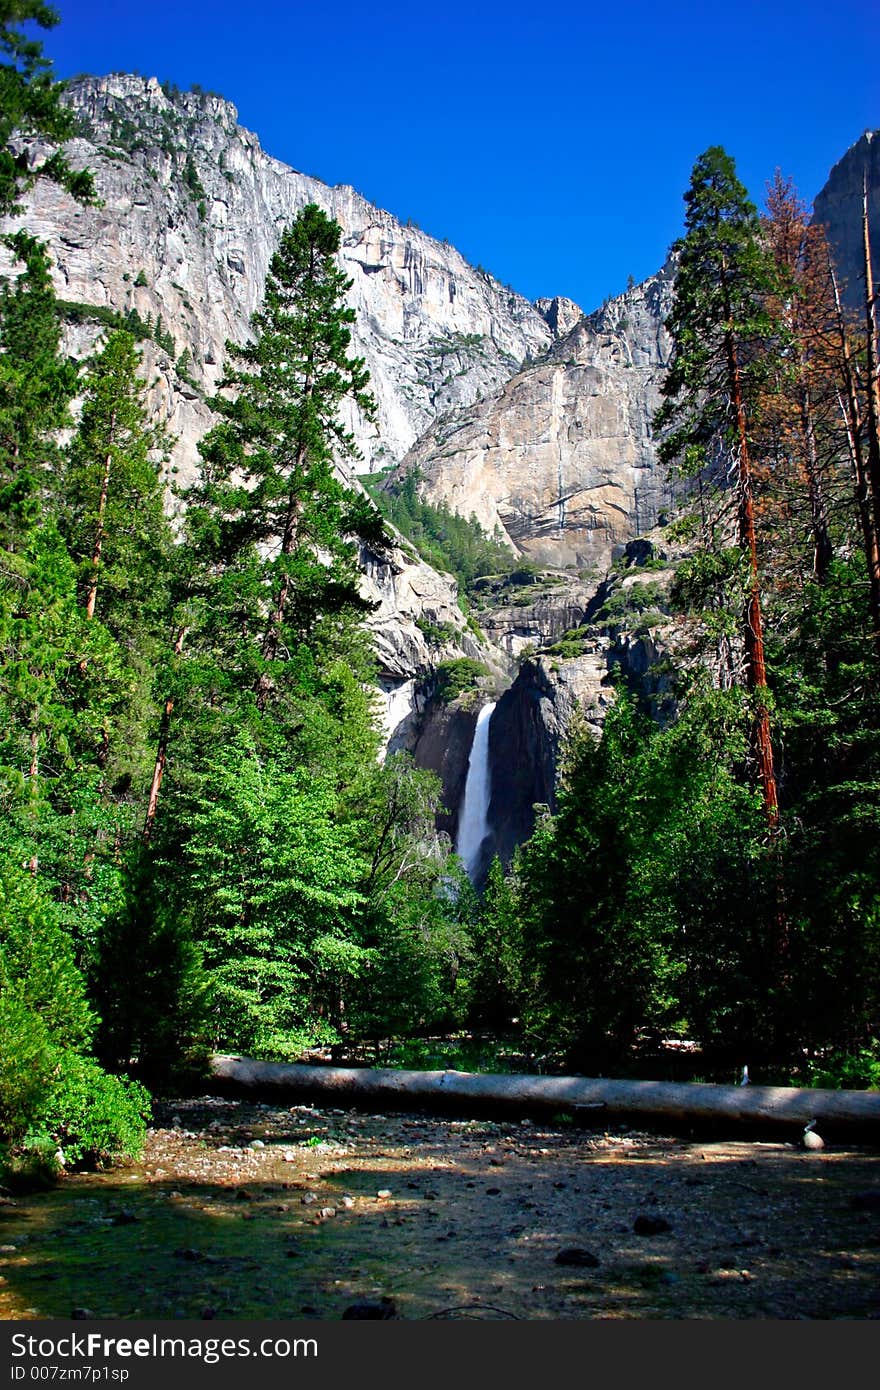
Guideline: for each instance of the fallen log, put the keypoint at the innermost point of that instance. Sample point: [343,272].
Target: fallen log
[855,1114]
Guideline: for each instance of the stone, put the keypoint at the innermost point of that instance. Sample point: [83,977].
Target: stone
[650,1225]
[869,1200]
[124,1217]
[577,1256]
[371,1309]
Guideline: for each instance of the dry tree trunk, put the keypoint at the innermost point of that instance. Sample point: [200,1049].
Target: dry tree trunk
[792,1107]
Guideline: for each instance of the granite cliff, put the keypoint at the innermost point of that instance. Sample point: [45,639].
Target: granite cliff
[192,211]
[560,458]
[838,207]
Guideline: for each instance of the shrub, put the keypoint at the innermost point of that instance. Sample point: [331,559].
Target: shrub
[858,1070]
[26,1061]
[94,1117]
[457,676]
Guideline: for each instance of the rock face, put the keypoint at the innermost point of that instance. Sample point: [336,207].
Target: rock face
[561,314]
[534,418]
[444,746]
[193,210]
[839,209]
[519,617]
[627,635]
[412,602]
[526,735]
[561,459]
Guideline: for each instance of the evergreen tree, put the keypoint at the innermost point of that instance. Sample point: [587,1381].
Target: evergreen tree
[36,388]
[30,106]
[270,505]
[111,495]
[725,343]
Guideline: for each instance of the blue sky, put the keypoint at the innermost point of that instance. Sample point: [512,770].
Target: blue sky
[550,143]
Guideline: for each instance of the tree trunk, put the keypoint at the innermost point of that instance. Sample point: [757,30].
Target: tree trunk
[756,669]
[161,752]
[786,1107]
[99,525]
[851,413]
[873,394]
[822,549]
[288,540]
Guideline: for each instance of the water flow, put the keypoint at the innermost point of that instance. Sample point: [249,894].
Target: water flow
[473,825]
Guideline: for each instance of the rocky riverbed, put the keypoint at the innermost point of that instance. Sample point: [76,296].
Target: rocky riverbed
[244,1210]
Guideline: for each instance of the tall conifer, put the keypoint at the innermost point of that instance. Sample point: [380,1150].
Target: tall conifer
[724,341]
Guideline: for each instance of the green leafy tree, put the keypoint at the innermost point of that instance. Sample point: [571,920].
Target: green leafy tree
[273,872]
[592,975]
[271,562]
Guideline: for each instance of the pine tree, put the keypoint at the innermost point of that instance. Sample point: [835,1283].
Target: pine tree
[724,346]
[269,478]
[274,605]
[36,387]
[30,106]
[112,491]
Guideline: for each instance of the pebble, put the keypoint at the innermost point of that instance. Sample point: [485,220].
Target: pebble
[384,1192]
[348,1202]
[327,1212]
[308,1199]
[256,1144]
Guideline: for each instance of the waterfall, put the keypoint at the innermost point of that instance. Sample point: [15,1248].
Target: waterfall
[473,826]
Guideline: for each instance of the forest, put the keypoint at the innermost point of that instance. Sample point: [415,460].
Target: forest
[200,849]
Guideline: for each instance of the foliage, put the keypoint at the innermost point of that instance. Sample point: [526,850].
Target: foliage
[30,105]
[449,542]
[725,275]
[36,386]
[853,1071]
[273,878]
[592,973]
[93,1117]
[457,675]
[50,1093]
